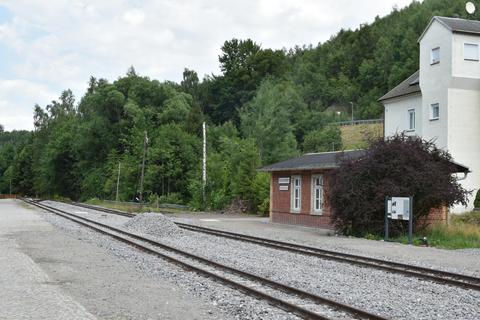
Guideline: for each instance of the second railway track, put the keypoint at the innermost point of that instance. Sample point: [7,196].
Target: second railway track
[301,303]
[439,276]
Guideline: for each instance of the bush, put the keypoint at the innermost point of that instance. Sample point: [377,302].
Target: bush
[261,193]
[476,203]
[399,166]
[327,139]
[171,198]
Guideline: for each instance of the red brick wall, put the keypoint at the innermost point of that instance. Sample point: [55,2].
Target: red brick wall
[280,211]
[436,215]
[280,206]
[8,196]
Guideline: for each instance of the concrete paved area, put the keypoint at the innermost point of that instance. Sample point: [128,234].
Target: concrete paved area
[47,274]
[467,261]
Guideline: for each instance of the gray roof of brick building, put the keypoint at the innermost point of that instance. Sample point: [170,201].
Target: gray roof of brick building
[328,160]
[313,161]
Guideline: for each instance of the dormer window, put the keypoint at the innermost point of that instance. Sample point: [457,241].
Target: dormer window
[470,51]
[435,55]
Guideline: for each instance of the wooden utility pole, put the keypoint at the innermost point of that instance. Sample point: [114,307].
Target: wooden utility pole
[145,144]
[118,181]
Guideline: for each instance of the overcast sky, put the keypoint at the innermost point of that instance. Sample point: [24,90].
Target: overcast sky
[48,46]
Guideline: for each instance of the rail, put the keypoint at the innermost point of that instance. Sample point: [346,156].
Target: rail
[302,308]
[139,204]
[438,276]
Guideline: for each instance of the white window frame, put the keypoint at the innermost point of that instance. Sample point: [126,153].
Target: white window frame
[296,209]
[411,113]
[432,107]
[317,210]
[471,58]
[432,60]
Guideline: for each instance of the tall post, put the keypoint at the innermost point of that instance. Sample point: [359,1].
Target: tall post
[10,186]
[118,181]
[386,219]
[352,111]
[145,143]
[410,222]
[204,164]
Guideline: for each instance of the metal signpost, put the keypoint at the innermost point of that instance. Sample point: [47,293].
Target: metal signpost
[399,208]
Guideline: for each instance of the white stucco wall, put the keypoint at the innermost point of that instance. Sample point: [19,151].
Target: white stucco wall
[453,83]
[434,81]
[460,66]
[396,115]
[464,135]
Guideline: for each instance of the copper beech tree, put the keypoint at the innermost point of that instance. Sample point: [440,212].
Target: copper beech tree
[398,166]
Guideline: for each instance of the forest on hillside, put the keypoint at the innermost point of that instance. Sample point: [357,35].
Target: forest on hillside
[265,106]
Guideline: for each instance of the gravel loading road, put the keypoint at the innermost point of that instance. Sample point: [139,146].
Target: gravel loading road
[387,294]
[68,278]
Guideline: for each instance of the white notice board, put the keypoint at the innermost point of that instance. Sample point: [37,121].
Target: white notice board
[398,208]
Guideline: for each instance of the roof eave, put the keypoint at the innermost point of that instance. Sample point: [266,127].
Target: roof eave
[465,32]
[296,169]
[415,93]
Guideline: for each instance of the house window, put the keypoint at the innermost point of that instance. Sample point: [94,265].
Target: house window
[434,111]
[411,119]
[470,51]
[296,193]
[435,55]
[317,194]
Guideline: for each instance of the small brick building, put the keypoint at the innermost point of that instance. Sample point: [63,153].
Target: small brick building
[298,189]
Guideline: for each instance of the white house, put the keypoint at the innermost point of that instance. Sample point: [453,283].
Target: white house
[441,101]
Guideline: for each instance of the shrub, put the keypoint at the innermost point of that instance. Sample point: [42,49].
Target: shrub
[327,139]
[171,198]
[398,166]
[476,203]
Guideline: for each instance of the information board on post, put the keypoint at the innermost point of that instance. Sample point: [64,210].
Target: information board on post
[399,208]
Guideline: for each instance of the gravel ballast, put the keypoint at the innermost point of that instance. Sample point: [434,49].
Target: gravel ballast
[155,224]
[392,295]
[233,303]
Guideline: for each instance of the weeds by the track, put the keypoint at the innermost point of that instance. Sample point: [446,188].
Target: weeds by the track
[462,232]
[131,208]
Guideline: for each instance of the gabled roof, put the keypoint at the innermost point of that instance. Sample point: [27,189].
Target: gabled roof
[410,85]
[313,161]
[455,25]
[330,160]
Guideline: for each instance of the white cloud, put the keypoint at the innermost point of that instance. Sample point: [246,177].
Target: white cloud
[17,100]
[60,45]
[134,17]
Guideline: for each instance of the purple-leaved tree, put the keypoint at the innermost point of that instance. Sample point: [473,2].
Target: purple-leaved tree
[398,166]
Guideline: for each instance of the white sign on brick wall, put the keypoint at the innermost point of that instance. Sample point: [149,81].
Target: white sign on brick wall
[285,180]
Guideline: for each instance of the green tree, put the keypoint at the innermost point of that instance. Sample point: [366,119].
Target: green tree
[327,139]
[400,165]
[271,119]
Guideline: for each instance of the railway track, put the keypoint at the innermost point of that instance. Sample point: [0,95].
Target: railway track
[301,303]
[439,276]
